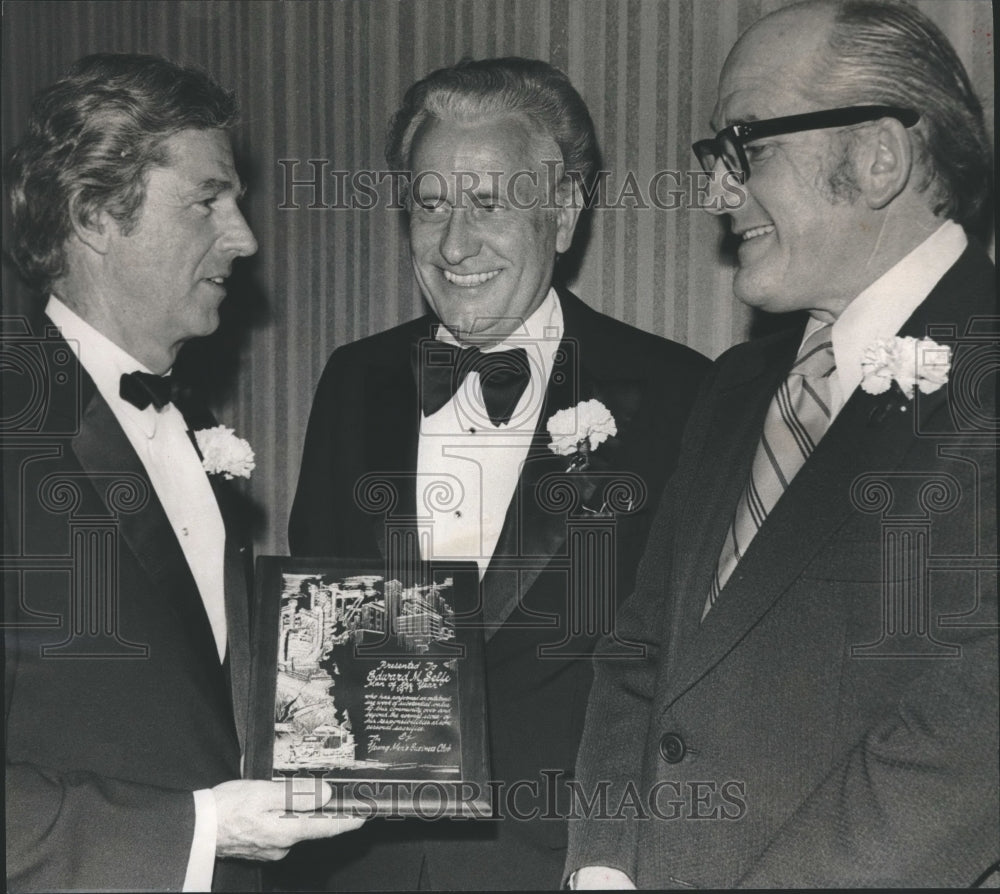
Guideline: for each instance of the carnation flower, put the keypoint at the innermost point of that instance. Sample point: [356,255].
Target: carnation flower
[581,429]
[223,453]
[908,362]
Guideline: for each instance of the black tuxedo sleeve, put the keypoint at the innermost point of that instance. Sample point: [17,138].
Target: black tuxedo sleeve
[79,831]
[313,523]
[104,747]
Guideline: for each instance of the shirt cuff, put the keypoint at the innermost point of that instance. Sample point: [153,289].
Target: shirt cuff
[201,862]
[605,878]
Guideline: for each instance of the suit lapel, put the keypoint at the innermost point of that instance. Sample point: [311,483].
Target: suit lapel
[724,467]
[529,531]
[237,607]
[532,532]
[392,429]
[102,449]
[817,502]
[236,576]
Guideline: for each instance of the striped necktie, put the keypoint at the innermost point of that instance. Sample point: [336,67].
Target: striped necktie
[797,418]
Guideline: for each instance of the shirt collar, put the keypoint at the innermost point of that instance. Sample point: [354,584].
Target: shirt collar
[545,324]
[104,361]
[882,309]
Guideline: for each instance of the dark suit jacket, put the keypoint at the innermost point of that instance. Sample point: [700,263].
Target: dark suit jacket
[833,722]
[365,420]
[117,707]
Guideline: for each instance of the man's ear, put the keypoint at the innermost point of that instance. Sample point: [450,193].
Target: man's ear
[887,162]
[570,204]
[93,228]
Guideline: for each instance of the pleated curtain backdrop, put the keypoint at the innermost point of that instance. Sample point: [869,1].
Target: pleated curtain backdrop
[318,81]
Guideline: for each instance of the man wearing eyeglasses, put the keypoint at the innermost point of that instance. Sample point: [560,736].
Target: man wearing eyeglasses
[818,701]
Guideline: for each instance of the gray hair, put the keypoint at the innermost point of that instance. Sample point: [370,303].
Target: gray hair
[491,88]
[886,52]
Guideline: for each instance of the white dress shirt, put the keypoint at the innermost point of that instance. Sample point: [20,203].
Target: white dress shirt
[467,468]
[160,439]
[882,309]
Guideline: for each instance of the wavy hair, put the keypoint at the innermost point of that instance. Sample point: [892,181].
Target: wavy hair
[91,138]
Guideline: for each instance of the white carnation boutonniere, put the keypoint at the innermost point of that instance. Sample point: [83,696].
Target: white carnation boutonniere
[578,431]
[905,364]
[223,453]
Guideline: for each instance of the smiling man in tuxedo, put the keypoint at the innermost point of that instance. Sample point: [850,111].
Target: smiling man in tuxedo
[454,412]
[818,600]
[125,595]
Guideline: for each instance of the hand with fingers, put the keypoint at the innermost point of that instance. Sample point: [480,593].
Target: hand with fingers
[259,820]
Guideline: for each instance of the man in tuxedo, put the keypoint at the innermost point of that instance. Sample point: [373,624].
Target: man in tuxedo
[125,597]
[818,701]
[454,414]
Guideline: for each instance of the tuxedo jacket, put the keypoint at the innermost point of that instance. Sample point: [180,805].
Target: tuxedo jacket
[833,720]
[365,421]
[117,707]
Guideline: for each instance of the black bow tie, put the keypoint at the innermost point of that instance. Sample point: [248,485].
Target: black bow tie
[142,389]
[503,376]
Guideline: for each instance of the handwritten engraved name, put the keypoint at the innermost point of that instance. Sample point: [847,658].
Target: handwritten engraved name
[407,676]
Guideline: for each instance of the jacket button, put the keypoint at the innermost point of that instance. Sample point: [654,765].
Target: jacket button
[672,748]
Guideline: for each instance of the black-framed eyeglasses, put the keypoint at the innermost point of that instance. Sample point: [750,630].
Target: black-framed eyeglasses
[728,144]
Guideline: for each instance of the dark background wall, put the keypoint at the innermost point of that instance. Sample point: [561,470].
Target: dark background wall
[319,80]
